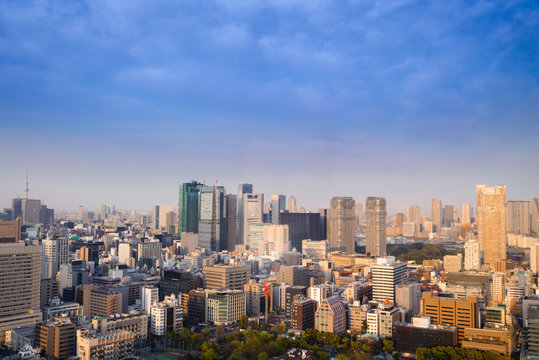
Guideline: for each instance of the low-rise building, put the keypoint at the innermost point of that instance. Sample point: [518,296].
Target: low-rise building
[331,316]
[112,345]
[421,333]
[57,339]
[224,306]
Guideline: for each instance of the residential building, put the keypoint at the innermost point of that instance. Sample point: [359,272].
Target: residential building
[375,232]
[472,255]
[341,224]
[303,313]
[491,219]
[57,339]
[166,316]
[437,215]
[114,345]
[518,217]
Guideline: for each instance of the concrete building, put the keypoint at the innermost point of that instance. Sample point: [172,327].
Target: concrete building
[453,263]
[231,222]
[493,337]
[449,216]
[114,345]
[134,322]
[491,220]
[150,295]
[54,252]
[72,275]
[275,240]
[212,218]
[331,316]
[101,301]
[188,207]
[413,215]
[57,339]
[20,266]
[303,313]
[175,282]
[252,212]
[166,316]
[292,204]
[518,217]
[196,307]
[409,229]
[359,214]
[254,298]
[436,215]
[449,311]
[534,258]
[375,233]
[319,293]
[124,253]
[386,274]
[10,231]
[357,317]
[224,306]
[408,296]
[151,249]
[421,333]
[293,275]
[303,226]
[57,308]
[466,214]
[341,224]
[315,249]
[227,276]
[278,205]
[48,291]
[472,255]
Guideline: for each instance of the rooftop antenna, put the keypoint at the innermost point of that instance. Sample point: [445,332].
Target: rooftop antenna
[26,190]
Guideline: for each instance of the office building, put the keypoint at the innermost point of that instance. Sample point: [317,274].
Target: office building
[534,258]
[175,282]
[151,250]
[293,275]
[453,263]
[224,306]
[48,291]
[421,333]
[27,209]
[518,217]
[150,295]
[57,339]
[315,249]
[472,255]
[357,317]
[491,218]
[493,337]
[386,274]
[375,232]
[20,266]
[449,311]
[341,224]
[292,204]
[166,316]
[323,224]
[301,226]
[252,212]
[449,215]
[534,215]
[188,207]
[254,298]
[465,214]
[227,276]
[101,301]
[243,189]
[196,307]
[124,253]
[303,313]
[134,322]
[275,240]
[54,252]
[212,218]
[408,296]
[413,215]
[278,205]
[231,222]
[437,215]
[359,214]
[331,316]
[10,231]
[72,275]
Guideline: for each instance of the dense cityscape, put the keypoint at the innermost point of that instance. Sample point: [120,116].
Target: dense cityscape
[236,276]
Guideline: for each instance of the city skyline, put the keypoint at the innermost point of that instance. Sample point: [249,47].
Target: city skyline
[408,100]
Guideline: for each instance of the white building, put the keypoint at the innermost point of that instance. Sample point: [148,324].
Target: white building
[472,255]
[54,252]
[408,229]
[253,208]
[534,257]
[315,249]
[319,292]
[386,274]
[275,240]
[150,295]
[124,253]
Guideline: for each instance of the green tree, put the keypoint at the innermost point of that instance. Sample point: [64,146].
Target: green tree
[197,337]
[279,329]
[244,322]
[263,356]
[388,346]
[321,355]
[209,351]
[206,333]
[185,333]
[220,333]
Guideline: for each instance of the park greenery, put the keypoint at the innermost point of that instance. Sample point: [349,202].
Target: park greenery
[451,353]
[418,251]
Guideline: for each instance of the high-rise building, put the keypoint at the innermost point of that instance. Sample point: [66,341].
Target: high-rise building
[20,268]
[150,295]
[449,215]
[518,217]
[534,258]
[224,306]
[166,316]
[124,253]
[48,291]
[375,233]
[399,220]
[436,215]
[196,308]
[231,221]
[301,226]
[534,215]
[341,224]
[26,209]
[449,311]
[303,312]
[472,255]
[188,207]
[413,214]
[54,253]
[155,217]
[212,218]
[465,213]
[331,316]
[254,297]
[292,204]
[252,212]
[323,224]
[491,220]
[101,301]
[275,240]
[278,205]
[408,296]
[243,189]
[174,282]
[359,214]
[10,231]
[386,274]
[150,249]
[227,276]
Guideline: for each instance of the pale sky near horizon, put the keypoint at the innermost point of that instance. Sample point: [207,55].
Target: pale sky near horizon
[117,102]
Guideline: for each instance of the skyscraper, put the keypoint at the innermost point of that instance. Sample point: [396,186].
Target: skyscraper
[292,204]
[534,214]
[449,215]
[252,210]
[465,213]
[436,214]
[231,221]
[386,275]
[276,240]
[341,224]
[413,215]
[212,218]
[54,253]
[278,204]
[20,266]
[302,226]
[242,189]
[359,214]
[375,234]
[188,207]
[472,255]
[491,218]
[518,217]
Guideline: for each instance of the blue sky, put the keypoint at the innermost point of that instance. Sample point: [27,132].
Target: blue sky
[118,101]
